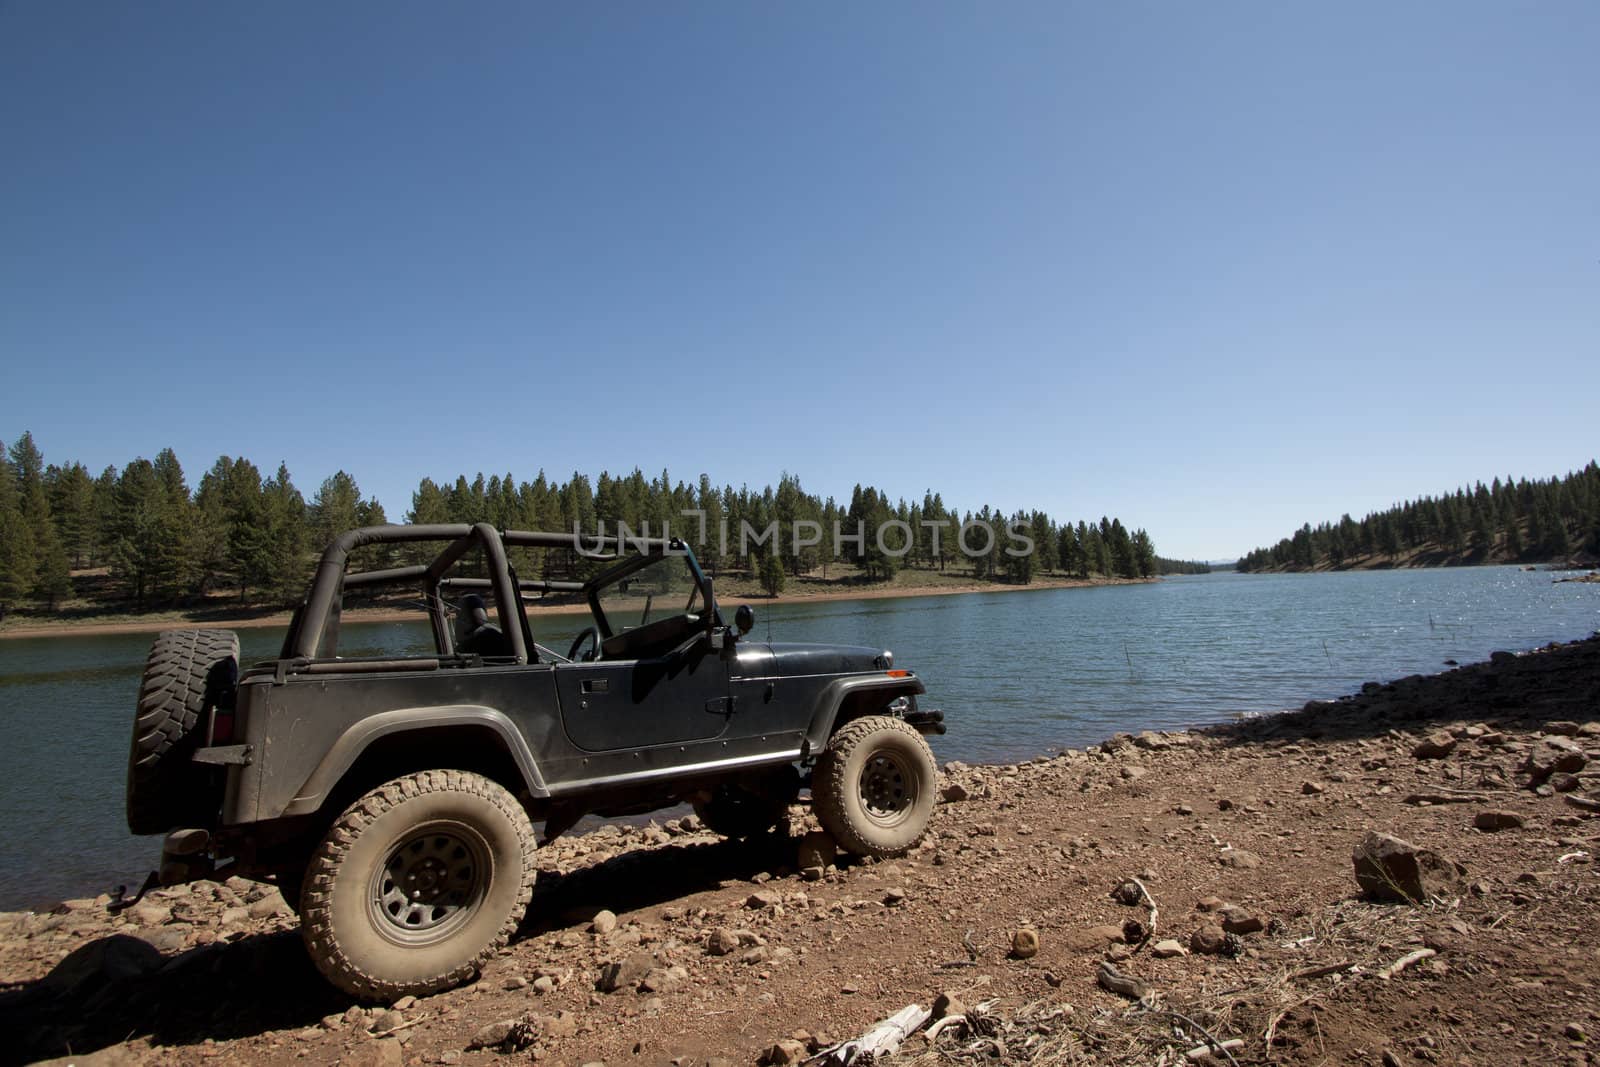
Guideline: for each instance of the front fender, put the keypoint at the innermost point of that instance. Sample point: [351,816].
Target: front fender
[344,752]
[825,711]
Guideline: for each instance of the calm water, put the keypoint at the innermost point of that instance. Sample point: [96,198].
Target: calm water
[1017,674]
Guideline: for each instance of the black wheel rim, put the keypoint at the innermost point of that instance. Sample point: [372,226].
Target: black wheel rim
[430,884]
[888,788]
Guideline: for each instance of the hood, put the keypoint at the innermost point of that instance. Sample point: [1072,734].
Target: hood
[797,659]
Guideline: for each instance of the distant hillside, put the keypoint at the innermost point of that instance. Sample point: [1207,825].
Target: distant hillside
[1554,520]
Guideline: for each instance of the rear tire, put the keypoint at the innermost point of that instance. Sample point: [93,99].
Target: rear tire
[873,786]
[417,885]
[188,674]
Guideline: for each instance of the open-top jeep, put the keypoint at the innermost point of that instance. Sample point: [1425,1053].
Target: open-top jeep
[392,798]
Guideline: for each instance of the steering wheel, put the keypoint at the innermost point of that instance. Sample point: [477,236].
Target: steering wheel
[592,634]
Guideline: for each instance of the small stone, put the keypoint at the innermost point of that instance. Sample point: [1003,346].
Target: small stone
[1236,920]
[1224,804]
[784,1052]
[1312,789]
[1163,950]
[385,1021]
[1208,941]
[894,897]
[1127,893]
[1132,774]
[1392,869]
[1575,1032]
[1107,934]
[1562,782]
[269,906]
[1025,943]
[1434,746]
[1492,821]
[954,793]
[625,974]
[544,984]
[813,874]
[450,1056]
[516,981]
[150,914]
[404,1004]
[1183,809]
[1210,904]
[492,1034]
[604,922]
[375,1054]
[1239,859]
[658,980]
[946,1004]
[722,941]
[763,898]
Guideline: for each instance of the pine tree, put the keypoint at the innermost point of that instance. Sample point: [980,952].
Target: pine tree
[17,563]
[52,579]
[285,512]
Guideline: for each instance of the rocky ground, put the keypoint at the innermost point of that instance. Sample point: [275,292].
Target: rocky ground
[1125,904]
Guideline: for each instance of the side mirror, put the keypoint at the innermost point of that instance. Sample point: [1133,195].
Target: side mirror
[744,618]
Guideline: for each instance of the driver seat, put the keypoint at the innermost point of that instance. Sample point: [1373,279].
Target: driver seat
[475,634]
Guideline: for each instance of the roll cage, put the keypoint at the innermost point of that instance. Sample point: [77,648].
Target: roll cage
[313,634]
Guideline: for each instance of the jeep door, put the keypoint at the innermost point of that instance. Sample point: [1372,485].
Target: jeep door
[674,698]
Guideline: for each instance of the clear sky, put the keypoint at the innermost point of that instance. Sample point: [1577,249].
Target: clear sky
[1215,269]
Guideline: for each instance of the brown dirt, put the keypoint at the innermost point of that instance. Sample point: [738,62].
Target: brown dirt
[804,591]
[1040,845]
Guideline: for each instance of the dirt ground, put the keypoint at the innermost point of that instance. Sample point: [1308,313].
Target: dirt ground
[802,590]
[725,951]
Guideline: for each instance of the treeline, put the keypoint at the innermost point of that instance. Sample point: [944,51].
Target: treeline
[1504,522]
[255,536]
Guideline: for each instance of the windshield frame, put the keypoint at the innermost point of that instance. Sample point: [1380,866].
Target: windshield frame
[638,562]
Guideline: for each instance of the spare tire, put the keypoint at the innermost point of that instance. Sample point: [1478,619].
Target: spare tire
[189,673]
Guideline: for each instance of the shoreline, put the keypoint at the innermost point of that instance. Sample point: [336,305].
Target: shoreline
[177,621]
[1243,832]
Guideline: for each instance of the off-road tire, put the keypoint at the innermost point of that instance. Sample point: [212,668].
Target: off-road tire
[737,812]
[189,673]
[877,751]
[367,954]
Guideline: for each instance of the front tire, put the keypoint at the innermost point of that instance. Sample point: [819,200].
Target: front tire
[417,885]
[873,786]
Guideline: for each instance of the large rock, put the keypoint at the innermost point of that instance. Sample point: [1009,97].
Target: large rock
[110,959]
[817,849]
[1389,868]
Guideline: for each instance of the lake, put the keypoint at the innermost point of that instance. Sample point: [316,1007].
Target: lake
[1017,673]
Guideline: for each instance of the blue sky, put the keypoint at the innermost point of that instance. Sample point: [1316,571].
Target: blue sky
[1214,269]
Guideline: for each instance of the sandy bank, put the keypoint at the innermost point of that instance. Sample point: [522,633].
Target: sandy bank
[1242,835]
[209,620]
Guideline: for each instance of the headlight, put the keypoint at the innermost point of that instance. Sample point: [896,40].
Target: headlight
[888,658]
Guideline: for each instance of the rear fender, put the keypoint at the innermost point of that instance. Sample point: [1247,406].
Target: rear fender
[457,721]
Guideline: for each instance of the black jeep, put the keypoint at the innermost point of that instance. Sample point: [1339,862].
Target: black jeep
[393,799]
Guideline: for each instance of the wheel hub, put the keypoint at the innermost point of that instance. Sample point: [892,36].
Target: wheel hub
[432,880]
[887,787]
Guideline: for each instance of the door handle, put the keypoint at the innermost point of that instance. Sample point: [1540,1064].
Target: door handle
[722,705]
